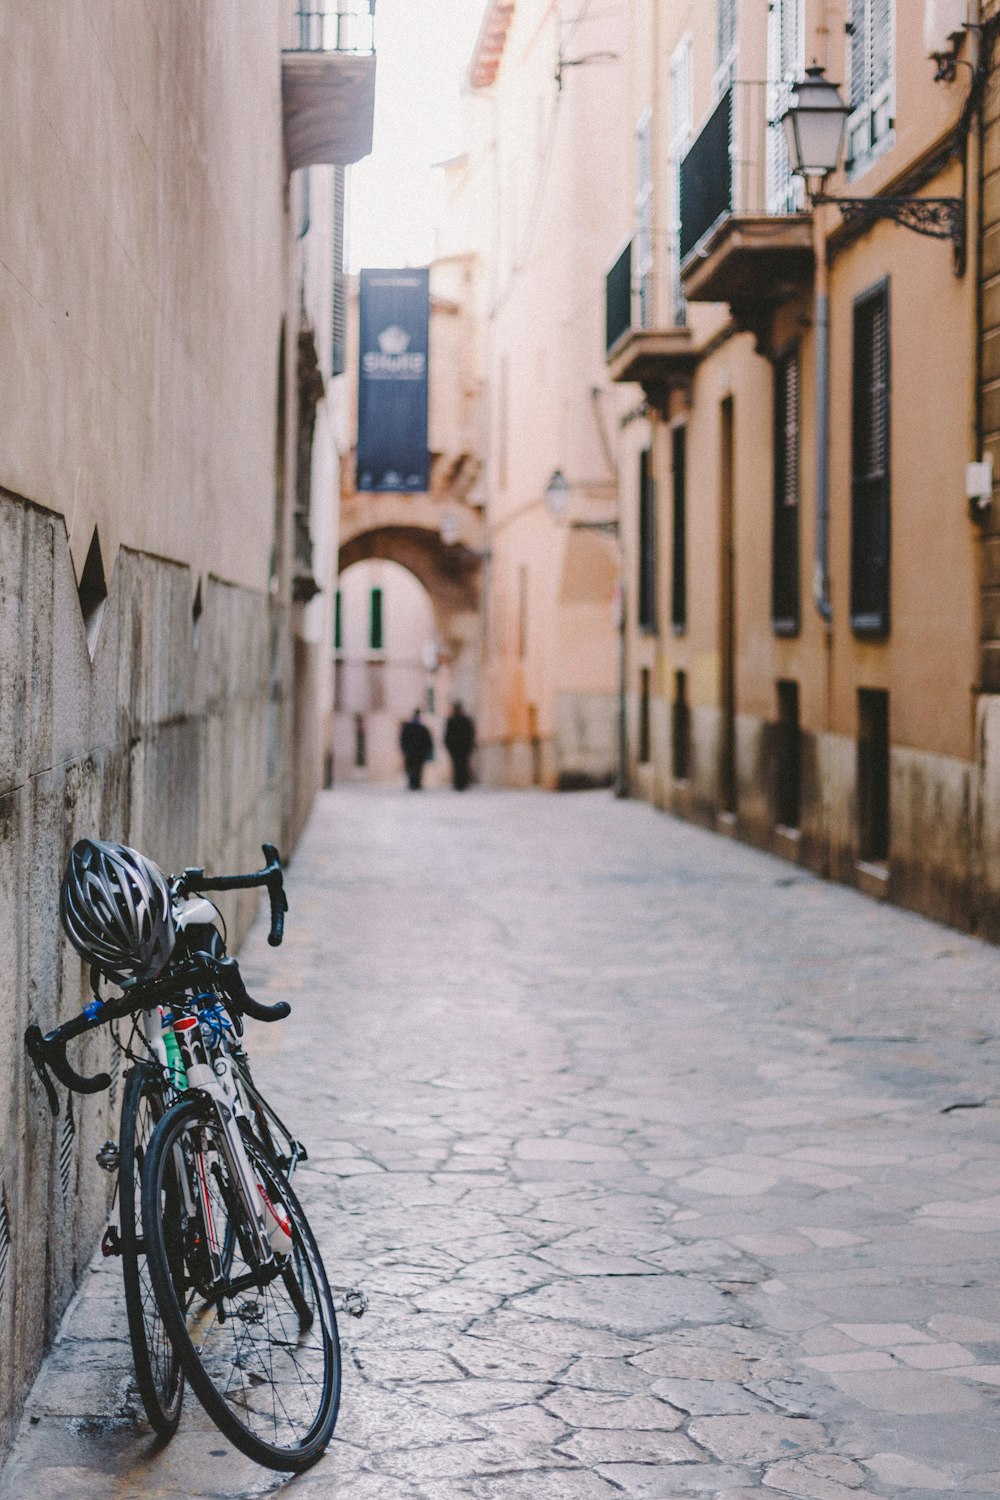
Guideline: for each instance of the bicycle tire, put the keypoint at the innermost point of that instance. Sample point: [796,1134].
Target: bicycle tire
[266,1366]
[158,1371]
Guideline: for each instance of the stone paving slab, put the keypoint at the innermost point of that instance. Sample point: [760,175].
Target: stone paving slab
[669,1172]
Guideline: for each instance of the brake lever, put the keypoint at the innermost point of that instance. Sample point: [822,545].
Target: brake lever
[35,1043]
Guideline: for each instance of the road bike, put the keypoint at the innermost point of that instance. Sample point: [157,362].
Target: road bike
[224,1281]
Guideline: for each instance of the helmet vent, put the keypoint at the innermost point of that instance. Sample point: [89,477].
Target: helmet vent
[93,591]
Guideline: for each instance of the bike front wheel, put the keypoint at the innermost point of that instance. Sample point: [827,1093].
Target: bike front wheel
[158,1371]
[258,1342]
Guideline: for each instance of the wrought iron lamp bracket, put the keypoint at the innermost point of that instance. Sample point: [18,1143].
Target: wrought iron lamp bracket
[941,218]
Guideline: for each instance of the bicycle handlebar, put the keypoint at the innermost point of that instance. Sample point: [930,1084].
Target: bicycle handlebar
[47,1050]
[271,877]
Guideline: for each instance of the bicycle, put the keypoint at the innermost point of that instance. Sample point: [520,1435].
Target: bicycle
[215,1245]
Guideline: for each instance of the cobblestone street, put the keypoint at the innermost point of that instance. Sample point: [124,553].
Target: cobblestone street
[669,1170]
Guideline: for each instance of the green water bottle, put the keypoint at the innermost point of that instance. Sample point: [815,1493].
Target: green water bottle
[175,1063]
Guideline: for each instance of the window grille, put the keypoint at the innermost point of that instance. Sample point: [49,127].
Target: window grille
[680,128]
[870,489]
[871,75]
[785,63]
[726,45]
[647,545]
[785,520]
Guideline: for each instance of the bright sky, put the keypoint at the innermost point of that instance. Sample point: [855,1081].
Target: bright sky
[423,49]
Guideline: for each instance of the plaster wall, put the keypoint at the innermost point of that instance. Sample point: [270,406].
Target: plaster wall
[135,213]
[170,738]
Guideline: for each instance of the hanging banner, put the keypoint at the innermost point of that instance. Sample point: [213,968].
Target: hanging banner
[392,380]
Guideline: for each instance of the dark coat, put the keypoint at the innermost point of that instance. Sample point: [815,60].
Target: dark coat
[459,735]
[415,742]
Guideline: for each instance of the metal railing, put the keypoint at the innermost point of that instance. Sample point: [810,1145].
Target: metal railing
[337,26]
[735,165]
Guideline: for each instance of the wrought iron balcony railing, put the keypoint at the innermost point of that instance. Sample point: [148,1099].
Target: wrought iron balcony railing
[737,164]
[338,26]
[618,298]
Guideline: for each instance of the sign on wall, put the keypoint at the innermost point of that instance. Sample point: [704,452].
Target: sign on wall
[392,380]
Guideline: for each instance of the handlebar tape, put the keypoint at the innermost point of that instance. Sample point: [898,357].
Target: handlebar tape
[276,893]
[50,1053]
[232,980]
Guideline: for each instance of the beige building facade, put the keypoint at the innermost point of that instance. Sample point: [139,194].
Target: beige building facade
[549,198]
[168,489]
[802,394]
[437,536]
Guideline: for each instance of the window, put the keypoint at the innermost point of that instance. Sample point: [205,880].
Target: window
[338,622]
[785,522]
[646,611]
[870,465]
[644,220]
[726,45]
[678,568]
[873,775]
[788,758]
[680,127]
[871,77]
[375,631]
[644,736]
[785,63]
[680,730]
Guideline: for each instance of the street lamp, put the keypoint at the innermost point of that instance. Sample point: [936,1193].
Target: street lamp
[814,131]
[814,125]
[557,493]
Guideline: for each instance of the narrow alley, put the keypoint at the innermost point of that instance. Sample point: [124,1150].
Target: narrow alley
[669,1170]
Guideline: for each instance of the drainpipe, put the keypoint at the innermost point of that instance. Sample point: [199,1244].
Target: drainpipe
[821,323]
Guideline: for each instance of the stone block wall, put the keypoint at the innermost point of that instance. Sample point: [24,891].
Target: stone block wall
[173,736]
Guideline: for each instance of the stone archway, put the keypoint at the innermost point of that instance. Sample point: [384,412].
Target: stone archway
[406,529]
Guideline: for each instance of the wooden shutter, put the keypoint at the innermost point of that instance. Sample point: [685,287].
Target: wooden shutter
[870,465]
[647,545]
[785,519]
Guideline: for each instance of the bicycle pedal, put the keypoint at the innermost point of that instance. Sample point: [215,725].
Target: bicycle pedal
[111,1243]
[352,1300]
[108,1157]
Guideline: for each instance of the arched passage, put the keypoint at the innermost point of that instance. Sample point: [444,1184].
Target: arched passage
[427,594]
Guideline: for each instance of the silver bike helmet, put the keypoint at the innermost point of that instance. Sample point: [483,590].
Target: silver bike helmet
[115,909]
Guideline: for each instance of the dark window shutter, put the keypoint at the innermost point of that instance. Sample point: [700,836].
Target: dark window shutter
[785,524]
[678,581]
[870,466]
[647,544]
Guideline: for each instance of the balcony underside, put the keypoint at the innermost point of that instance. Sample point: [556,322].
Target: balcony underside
[661,360]
[751,262]
[329,107]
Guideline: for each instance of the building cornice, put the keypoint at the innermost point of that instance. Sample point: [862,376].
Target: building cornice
[490,43]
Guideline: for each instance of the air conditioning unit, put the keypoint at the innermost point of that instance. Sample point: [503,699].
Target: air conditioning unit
[944,24]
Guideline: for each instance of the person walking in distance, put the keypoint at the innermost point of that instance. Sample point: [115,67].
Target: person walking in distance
[459,741]
[417,747]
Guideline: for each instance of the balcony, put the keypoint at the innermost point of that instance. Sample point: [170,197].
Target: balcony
[659,359]
[743,238]
[328,84]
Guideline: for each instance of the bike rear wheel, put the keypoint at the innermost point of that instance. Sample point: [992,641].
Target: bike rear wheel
[158,1371]
[258,1343]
